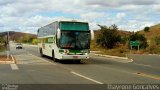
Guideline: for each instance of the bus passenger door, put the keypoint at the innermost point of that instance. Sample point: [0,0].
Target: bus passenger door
[43,45]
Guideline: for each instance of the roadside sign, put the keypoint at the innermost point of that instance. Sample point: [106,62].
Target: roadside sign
[134,43]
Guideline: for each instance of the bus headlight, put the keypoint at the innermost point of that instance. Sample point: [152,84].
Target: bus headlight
[86,54]
[66,51]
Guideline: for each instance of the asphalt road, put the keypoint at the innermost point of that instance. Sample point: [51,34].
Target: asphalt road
[33,69]
[150,60]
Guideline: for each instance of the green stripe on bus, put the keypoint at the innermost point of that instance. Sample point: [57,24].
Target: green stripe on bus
[74,51]
[61,50]
[71,51]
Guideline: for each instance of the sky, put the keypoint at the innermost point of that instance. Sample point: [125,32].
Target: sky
[28,15]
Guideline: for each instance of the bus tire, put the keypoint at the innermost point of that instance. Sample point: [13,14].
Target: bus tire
[41,53]
[53,57]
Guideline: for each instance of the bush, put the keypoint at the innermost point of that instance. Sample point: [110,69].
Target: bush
[146,29]
[34,41]
[108,36]
[2,43]
[153,49]
[157,40]
[141,38]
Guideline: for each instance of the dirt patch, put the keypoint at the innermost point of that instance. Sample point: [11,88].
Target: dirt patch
[4,60]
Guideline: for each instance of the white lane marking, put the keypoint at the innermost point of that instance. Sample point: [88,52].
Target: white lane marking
[43,59]
[143,65]
[14,66]
[131,60]
[86,77]
[122,60]
[13,59]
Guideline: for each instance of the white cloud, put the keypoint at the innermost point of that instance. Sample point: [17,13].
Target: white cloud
[134,25]
[120,15]
[156,7]
[145,24]
[93,26]
[117,3]
[27,15]
[93,15]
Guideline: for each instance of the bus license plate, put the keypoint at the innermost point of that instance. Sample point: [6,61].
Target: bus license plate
[75,57]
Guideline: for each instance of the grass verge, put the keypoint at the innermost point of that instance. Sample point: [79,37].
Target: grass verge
[123,50]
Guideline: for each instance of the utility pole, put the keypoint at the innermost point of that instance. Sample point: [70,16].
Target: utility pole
[8,49]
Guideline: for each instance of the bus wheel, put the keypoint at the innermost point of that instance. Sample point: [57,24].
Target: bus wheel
[53,57]
[41,53]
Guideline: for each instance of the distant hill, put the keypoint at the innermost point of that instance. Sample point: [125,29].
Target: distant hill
[16,35]
[154,31]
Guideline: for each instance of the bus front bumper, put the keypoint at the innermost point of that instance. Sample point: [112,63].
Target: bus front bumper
[75,57]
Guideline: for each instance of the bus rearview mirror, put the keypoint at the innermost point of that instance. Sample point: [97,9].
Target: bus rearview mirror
[92,35]
[58,34]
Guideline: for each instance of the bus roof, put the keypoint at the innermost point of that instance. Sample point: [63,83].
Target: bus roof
[69,20]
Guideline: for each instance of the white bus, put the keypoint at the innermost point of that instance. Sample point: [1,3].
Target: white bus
[65,40]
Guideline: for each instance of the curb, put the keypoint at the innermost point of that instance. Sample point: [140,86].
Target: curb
[8,62]
[110,56]
[115,57]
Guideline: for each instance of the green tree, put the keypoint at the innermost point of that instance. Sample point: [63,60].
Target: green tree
[2,40]
[141,38]
[34,41]
[146,29]
[108,36]
[123,39]
[2,43]
[26,38]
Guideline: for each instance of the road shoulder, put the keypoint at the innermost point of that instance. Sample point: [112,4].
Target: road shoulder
[114,57]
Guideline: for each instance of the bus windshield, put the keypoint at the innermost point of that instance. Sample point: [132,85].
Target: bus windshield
[75,40]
